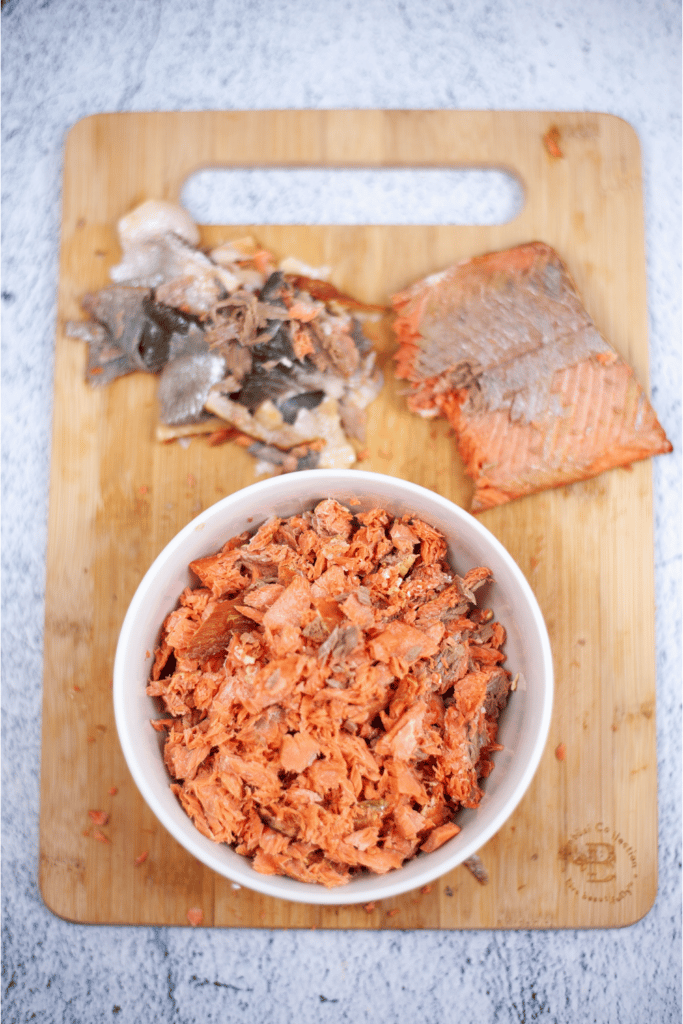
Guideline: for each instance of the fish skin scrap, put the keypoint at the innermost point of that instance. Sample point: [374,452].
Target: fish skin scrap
[242,348]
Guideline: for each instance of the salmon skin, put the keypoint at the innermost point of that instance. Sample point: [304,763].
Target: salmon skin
[502,347]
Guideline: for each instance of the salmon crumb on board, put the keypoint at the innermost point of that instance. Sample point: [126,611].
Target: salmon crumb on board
[195,916]
[98,817]
[330,693]
[551,141]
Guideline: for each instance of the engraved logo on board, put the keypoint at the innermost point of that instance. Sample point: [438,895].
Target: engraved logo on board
[600,865]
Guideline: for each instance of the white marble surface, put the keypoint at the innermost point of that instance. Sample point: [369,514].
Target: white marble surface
[63,59]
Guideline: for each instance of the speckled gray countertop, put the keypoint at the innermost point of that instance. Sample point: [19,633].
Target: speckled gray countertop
[64,59]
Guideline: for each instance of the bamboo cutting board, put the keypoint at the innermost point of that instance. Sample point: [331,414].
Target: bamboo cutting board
[581,849]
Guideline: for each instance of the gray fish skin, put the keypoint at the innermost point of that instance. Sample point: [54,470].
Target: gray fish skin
[185,383]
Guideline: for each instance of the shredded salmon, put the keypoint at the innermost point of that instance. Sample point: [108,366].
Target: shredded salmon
[330,693]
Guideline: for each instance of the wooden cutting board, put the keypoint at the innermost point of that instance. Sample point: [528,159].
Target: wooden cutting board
[581,849]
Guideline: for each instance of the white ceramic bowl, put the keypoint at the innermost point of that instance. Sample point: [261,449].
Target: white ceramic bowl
[523,724]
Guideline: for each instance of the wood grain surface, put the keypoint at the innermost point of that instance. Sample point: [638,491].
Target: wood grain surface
[581,849]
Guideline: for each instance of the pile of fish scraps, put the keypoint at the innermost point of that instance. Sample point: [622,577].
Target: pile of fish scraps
[269,355]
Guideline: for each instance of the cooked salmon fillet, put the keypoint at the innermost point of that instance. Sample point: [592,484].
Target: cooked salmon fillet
[502,346]
[331,693]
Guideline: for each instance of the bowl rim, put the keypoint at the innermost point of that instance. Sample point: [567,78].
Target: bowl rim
[279,886]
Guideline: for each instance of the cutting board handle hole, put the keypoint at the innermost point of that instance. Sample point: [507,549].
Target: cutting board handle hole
[330,195]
